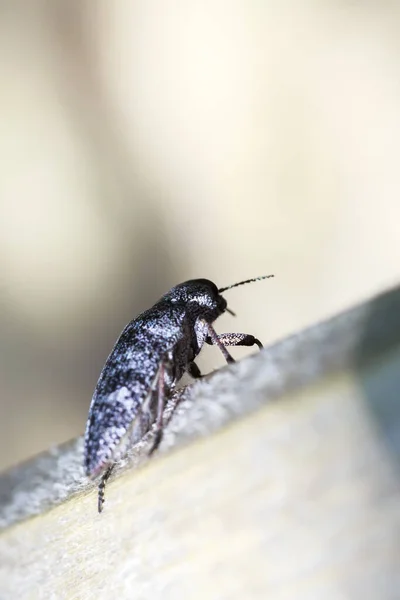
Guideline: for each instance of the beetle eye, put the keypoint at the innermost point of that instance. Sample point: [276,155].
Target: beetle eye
[222,303]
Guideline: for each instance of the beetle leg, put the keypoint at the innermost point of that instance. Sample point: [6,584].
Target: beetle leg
[235,339]
[160,409]
[215,339]
[194,371]
[102,485]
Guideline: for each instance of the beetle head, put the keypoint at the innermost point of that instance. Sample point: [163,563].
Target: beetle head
[200,292]
[205,295]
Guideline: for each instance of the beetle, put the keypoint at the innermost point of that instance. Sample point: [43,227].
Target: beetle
[149,358]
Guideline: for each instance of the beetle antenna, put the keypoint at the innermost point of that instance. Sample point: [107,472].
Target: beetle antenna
[229,287]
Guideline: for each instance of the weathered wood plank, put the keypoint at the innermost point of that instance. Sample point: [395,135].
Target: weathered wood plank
[296,498]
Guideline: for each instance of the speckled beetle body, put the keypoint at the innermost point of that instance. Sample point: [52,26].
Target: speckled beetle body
[149,358]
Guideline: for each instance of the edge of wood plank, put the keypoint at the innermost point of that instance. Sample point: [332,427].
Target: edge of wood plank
[347,341]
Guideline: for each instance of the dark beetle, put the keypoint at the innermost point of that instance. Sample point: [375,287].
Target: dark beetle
[149,358]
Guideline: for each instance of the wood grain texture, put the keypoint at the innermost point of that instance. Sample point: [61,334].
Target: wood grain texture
[293,498]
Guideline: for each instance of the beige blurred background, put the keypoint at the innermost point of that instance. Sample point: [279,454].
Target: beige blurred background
[144,143]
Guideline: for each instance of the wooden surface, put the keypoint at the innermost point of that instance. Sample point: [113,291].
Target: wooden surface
[278,478]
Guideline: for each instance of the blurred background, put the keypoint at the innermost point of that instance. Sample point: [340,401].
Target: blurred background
[144,143]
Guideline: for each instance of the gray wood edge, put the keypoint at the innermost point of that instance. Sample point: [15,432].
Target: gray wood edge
[350,340]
